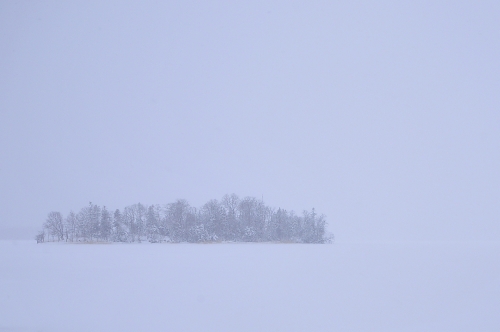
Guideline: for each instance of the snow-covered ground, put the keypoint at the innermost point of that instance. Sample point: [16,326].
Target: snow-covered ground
[250,287]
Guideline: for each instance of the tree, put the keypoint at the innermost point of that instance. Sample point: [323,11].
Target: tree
[118,233]
[140,214]
[231,219]
[40,237]
[94,221]
[88,222]
[319,229]
[128,218]
[307,229]
[134,218]
[70,224]
[82,220]
[211,221]
[249,218]
[230,229]
[153,221]
[178,219]
[278,228]
[54,224]
[105,224]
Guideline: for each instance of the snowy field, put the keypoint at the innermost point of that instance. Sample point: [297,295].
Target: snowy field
[249,287]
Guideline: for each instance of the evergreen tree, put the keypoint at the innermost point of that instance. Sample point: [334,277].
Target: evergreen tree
[118,233]
[94,221]
[231,219]
[105,224]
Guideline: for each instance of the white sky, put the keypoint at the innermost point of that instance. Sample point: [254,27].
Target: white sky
[382,115]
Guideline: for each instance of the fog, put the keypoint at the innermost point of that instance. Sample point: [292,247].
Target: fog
[383,116]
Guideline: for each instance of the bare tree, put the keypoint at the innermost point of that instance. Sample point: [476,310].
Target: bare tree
[153,224]
[231,230]
[40,237]
[178,218]
[54,224]
[231,219]
[70,224]
[211,221]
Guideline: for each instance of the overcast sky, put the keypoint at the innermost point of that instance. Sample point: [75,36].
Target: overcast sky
[383,115]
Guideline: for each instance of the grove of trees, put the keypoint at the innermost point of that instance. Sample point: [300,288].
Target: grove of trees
[229,220]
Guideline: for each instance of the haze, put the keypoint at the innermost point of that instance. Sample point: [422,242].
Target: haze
[383,116]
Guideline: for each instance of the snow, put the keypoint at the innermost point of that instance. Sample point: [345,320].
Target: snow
[250,287]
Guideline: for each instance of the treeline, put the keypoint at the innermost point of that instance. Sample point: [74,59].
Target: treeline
[229,220]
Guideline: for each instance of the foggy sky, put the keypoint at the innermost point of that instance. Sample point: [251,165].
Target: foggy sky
[383,116]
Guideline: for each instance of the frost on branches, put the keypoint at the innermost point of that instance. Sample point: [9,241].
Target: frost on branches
[229,220]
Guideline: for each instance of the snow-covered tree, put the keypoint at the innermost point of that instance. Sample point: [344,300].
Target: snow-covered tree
[70,223]
[54,224]
[40,237]
[153,224]
[179,216]
[118,232]
[231,219]
[212,220]
[230,225]
[94,222]
[105,224]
